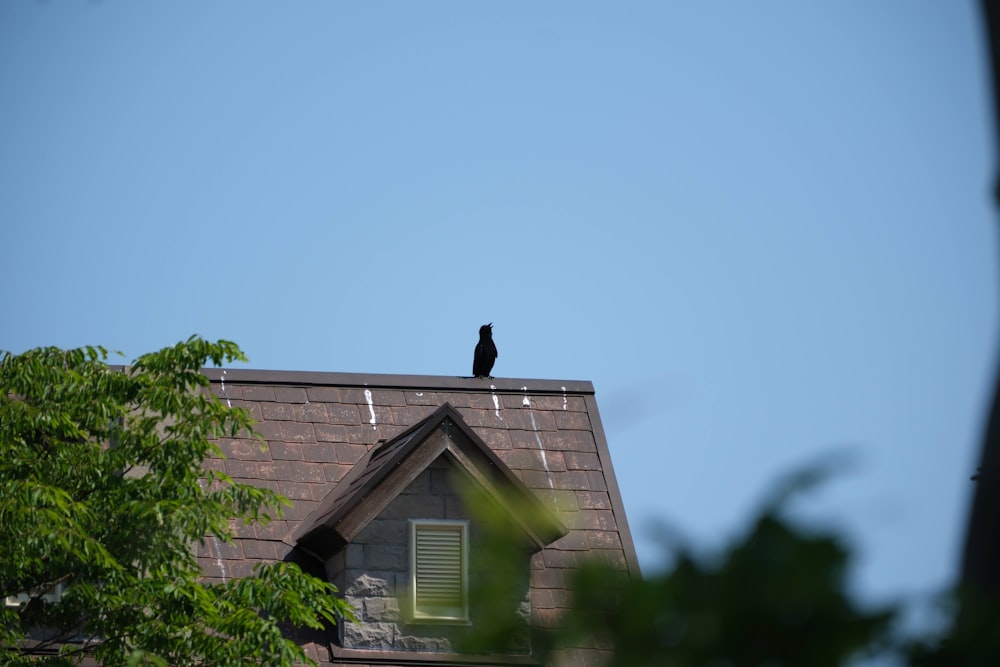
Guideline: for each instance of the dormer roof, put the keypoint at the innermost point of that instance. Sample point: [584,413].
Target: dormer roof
[387,469]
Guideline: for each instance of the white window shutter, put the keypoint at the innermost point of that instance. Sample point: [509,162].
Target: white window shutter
[439,563]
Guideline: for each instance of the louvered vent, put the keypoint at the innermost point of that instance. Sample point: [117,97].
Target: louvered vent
[438,572]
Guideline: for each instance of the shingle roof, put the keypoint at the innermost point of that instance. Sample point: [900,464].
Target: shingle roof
[319,426]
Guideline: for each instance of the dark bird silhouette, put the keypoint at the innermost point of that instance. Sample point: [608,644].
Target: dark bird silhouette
[486,352]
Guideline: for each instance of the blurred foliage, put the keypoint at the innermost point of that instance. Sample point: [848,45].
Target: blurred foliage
[103,492]
[776,596]
[972,639]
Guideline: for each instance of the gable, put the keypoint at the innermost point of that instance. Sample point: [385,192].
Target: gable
[406,608]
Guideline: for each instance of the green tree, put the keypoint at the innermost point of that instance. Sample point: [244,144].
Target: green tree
[776,596]
[103,494]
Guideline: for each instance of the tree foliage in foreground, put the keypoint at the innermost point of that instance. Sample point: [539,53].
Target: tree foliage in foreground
[775,597]
[103,494]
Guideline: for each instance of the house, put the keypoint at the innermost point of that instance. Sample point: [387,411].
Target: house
[381,471]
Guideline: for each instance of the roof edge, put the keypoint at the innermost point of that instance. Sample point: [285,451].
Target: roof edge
[389,381]
[614,493]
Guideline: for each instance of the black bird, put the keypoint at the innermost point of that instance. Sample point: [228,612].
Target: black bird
[486,352]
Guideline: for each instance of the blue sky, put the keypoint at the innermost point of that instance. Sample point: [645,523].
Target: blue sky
[763,230]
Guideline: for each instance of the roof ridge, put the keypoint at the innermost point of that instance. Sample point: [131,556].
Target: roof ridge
[396,381]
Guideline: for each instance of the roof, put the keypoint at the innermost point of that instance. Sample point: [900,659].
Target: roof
[331,437]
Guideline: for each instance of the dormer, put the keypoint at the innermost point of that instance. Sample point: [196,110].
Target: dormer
[398,538]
